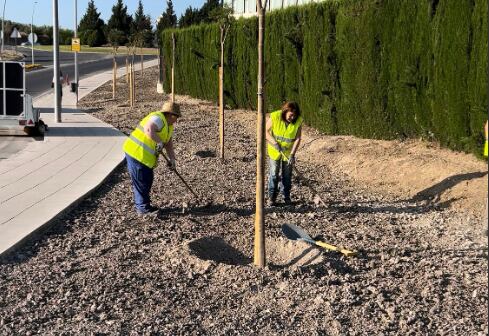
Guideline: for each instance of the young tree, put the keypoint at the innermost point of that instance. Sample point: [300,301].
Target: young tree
[120,21]
[115,38]
[222,15]
[91,28]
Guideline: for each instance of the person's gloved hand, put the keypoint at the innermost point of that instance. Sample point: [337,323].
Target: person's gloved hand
[159,148]
[291,160]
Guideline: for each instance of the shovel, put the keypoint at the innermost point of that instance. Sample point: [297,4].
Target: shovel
[293,232]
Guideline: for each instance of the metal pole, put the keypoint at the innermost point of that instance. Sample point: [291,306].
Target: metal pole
[32,33]
[76,53]
[57,86]
[3,19]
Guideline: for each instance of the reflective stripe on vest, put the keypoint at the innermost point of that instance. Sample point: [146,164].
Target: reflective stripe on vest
[141,147]
[284,134]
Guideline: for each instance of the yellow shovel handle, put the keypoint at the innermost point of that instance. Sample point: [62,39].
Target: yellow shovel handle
[347,253]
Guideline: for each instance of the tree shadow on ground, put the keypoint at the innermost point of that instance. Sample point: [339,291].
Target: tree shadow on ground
[370,207]
[433,193]
[215,209]
[216,249]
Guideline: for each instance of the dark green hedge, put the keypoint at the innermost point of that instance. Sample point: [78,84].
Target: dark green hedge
[372,68]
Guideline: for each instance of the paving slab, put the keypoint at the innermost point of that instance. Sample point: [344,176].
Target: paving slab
[50,176]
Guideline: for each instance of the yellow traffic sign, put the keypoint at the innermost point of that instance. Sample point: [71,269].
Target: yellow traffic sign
[75,44]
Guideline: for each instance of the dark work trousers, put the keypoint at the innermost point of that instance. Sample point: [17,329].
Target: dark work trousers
[274,176]
[142,180]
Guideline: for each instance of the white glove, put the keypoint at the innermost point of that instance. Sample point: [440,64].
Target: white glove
[291,160]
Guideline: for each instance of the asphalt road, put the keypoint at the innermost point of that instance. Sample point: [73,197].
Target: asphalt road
[39,81]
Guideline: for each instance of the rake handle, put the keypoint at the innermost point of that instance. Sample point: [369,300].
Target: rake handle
[302,177]
[180,176]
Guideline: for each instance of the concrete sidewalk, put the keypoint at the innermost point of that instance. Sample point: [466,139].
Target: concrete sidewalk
[48,177]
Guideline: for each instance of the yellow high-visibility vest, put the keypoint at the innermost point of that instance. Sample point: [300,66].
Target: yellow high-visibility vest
[141,147]
[284,134]
[485,149]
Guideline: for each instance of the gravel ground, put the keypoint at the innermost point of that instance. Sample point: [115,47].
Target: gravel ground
[101,269]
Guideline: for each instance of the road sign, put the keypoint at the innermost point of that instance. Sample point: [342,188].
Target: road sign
[75,44]
[32,38]
[15,34]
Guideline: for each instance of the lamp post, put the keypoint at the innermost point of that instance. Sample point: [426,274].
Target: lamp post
[32,33]
[3,19]
[159,85]
[57,84]
[76,53]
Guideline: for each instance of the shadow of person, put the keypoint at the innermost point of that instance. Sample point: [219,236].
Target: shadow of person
[433,193]
[216,249]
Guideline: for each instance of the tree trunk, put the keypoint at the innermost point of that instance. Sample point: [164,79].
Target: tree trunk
[259,251]
[221,98]
[127,69]
[173,68]
[114,77]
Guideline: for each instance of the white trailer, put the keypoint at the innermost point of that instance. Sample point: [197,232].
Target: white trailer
[17,115]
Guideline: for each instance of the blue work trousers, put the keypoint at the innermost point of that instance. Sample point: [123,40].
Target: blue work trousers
[274,177]
[142,180]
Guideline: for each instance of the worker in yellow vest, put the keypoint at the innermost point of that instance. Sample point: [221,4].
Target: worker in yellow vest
[142,147]
[283,133]
[485,145]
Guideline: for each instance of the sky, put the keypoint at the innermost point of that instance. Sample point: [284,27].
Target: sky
[21,10]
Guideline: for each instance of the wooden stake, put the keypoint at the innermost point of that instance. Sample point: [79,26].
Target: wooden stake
[259,251]
[114,78]
[133,76]
[127,70]
[173,68]
[142,73]
[131,94]
[221,112]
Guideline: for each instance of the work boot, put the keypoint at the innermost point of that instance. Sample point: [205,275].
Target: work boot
[287,201]
[150,212]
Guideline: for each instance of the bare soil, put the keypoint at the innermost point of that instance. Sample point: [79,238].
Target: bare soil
[413,211]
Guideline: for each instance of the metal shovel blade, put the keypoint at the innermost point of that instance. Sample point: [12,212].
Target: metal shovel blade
[294,232]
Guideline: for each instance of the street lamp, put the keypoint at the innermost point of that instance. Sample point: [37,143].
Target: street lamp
[32,33]
[76,52]
[159,85]
[57,84]
[3,19]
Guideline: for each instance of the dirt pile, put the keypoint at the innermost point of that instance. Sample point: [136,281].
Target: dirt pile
[422,266]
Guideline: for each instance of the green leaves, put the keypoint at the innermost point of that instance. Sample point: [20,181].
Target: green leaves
[377,69]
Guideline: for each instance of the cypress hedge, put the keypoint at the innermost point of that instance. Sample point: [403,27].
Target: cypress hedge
[389,69]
